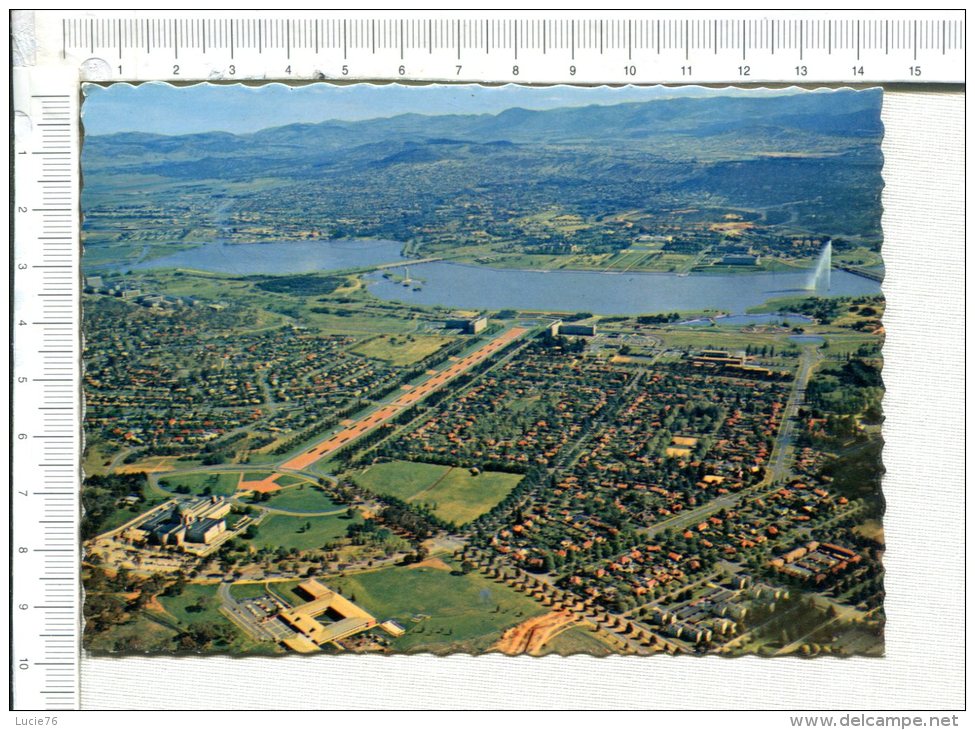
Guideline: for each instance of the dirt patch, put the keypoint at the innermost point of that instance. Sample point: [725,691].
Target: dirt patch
[152,604]
[529,637]
[155,605]
[435,563]
[262,486]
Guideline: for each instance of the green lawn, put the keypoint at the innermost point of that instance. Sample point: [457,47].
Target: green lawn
[286,480]
[289,532]
[401,350]
[722,338]
[454,494]
[121,515]
[184,607]
[302,498]
[222,483]
[199,604]
[241,591]
[466,612]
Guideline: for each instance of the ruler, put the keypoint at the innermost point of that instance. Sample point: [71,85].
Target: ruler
[44,490]
[653,47]
[56,51]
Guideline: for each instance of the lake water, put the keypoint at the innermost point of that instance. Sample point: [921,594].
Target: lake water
[479,287]
[299,257]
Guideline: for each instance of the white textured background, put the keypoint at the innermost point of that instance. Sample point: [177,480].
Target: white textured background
[924,667]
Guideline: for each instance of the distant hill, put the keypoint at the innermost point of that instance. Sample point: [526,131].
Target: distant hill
[819,152]
[816,119]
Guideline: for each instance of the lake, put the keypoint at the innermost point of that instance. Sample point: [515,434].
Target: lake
[465,286]
[299,257]
[479,287]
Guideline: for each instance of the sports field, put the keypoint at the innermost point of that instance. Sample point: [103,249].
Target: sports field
[453,493]
[442,610]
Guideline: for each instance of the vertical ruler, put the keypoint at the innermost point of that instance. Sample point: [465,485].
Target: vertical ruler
[45,598]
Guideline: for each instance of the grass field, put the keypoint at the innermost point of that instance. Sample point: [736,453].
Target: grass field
[401,350]
[197,604]
[222,483]
[466,612]
[302,498]
[722,338]
[286,480]
[141,634]
[578,640]
[241,591]
[454,493]
[121,515]
[289,532]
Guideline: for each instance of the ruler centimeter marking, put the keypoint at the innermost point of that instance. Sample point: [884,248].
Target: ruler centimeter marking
[44,492]
[661,47]
[658,47]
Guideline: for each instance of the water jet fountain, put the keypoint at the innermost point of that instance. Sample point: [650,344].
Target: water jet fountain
[819,279]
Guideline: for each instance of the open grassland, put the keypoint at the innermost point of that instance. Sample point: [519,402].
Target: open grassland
[122,514]
[220,483]
[349,309]
[197,604]
[453,493]
[579,640]
[400,351]
[240,591]
[860,256]
[141,634]
[302,498]
[464,612]
[303,533]
[287,480]
[722,338]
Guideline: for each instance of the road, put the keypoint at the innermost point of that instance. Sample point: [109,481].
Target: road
[369,421]
[779,465]
[270,631]
[407,262]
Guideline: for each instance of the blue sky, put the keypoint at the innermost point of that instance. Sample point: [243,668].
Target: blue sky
[164,109]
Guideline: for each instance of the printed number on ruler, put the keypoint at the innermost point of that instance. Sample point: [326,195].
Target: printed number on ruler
[657,47]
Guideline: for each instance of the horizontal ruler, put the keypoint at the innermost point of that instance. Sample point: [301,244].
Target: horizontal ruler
[650,47]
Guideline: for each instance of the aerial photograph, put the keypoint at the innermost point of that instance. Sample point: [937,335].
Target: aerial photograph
[388,369]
